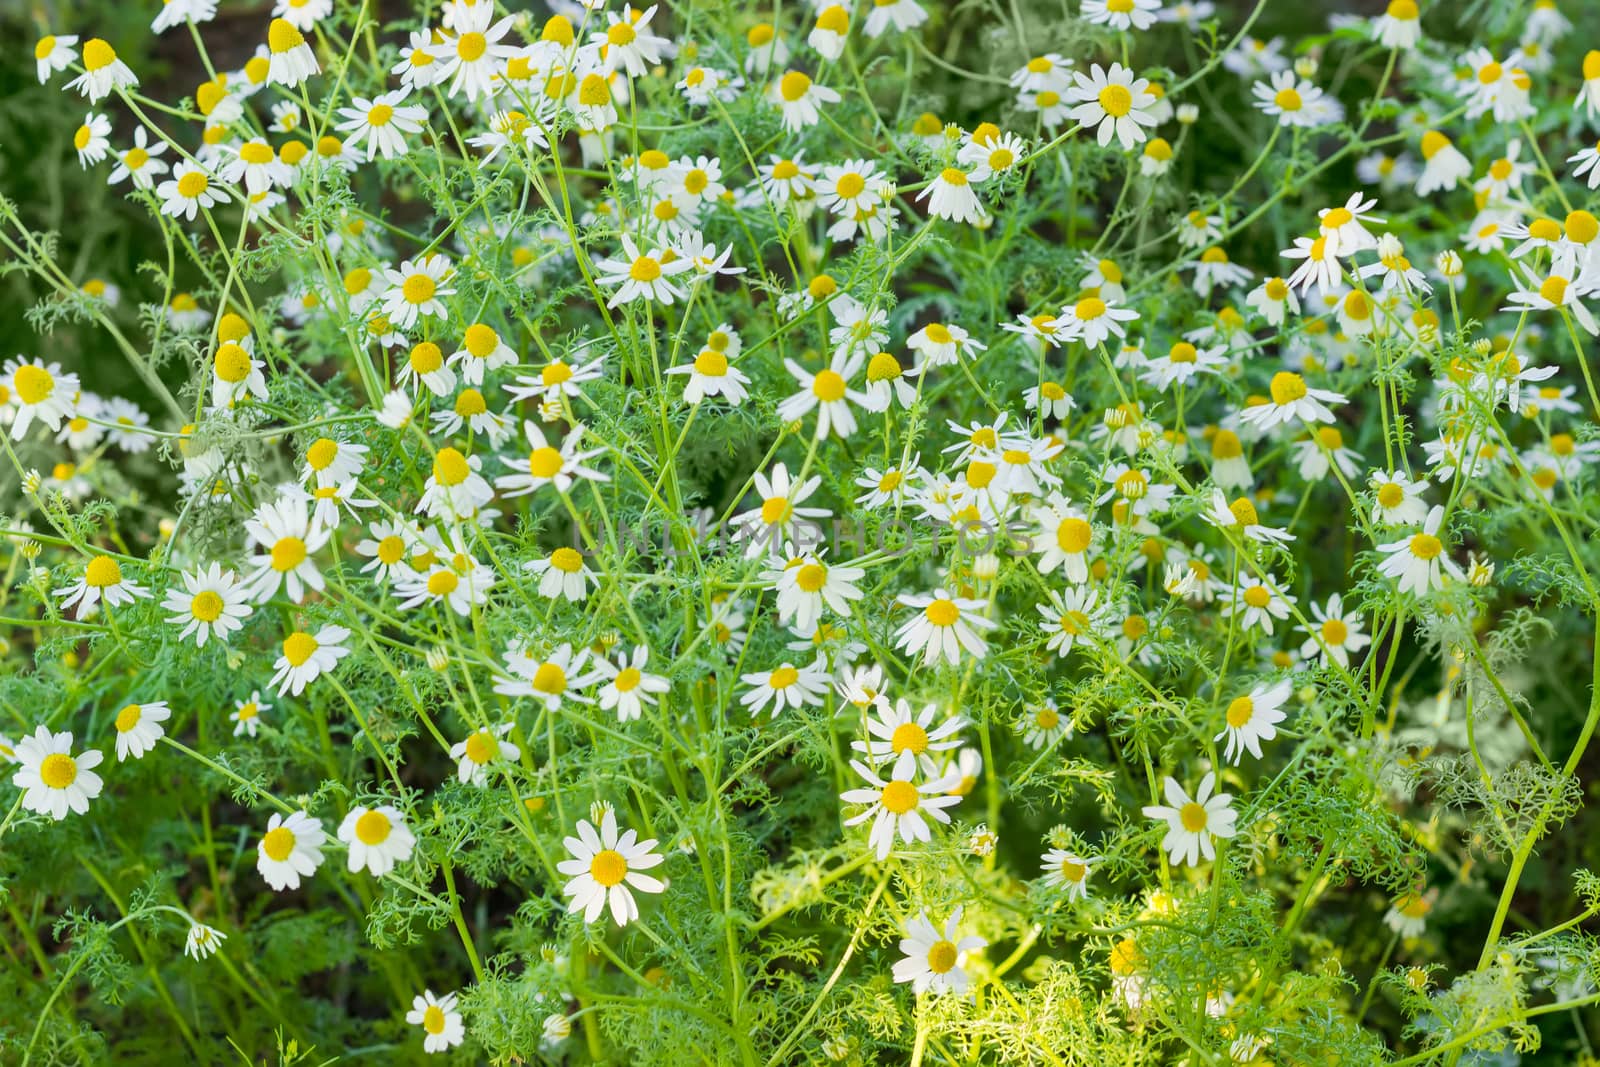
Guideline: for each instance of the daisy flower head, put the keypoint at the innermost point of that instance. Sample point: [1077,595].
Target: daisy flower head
[827,392]
[628,687]
[441,1022]
[246,716]
[776,519]
[897,729]
[288,537]
[1115,103]
[548,464]
[414,291]
[1408,914]
[950,195]
[550,679]
[38,390]
[1122,14]
[1193,823]
[642,276]
[1065,869]
[1093,320]
[1257,602]
[1333,633]
[306,657]
[139,728]
[1182,364]
[291,60]
[139,163]
[101,579]
[786,686]
[562,574]
[476,54]
[899,15]
[1066,539]
[481,748]
[1397,498]
[93,139]
[1291,99]
[711,374]
[102,73]
[377,838]
[202,941]
[605,868]
[1252,719]
[1420,562]
[1400,25]
[188,191]
[944,625]
[382,122]
[52,780]
[628,44]
[898,806]
[52,54]
[291,849]
[1240,515]
[800,100]
[1042,725]
[1291,399]
[481,351]
[933,957]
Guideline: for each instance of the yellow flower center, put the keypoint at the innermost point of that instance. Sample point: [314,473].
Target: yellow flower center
[812,577]
[283,37]
[1287,100]
[941,957]
[299,647]
[1257,596]
[192,184]
[774,509]
[1116,100]
[645,269]
[418,289]
[1287,387]
[1334,632]
[828,386]
[278,843]
[471,46]
[450,467]
[794,85]
[372,828]
[899,797]
[206,606]
[1425,546]
[97,55]
[550,678]
[1090,307]
[1240,711]
[482,747]
[1193,817]
[608,867]
[287,554]
[101,572]
[1244,512]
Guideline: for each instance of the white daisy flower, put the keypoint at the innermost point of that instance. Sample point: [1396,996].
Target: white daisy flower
[481,748]
[377,838]
[1115,102]
[288,537]
[943,626]
[439,1019]
[605,867]
[414,290]
[306,657]
[139,728]
[102,579]
[102,70]
[202,941]
[897,806]
[289,850]
[628,686]
[1193,824]
[1333,633]
[246,716]
[52,780]
[786,686]
[1067,870]
[934,957]
[1252,719]
[1419,563]
[291,60]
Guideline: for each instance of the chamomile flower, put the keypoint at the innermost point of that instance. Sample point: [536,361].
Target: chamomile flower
[52,54]
[377,838]
[827,392]
[93,139]
[1291,100]
[291,849]
[605,868]
[1240,516]
[291,60]
[774,520]
[1065,869]
[202,941]
[139,164]
[943,627]
[1093,320]
[455,489]
[188,191]
[139,728]
[1257,602]
[38,390]
[102,579]
[1182,364]
[547,464]
[1252,719]
[785,686]
[641,276]
[1113,102]
[1400,25]
[382,122]
[441,1023]
[482,748]
[102,73]
[246,716]
[562,574]
[898,806]
[1333,633]
[476,55]
[414,291]
[627,686]
[54,781]
[1122,14]
[481,351]
[1419,562]
[807,584]
[934,957]
[1291,399]
[1042,725]
[712,373]
[212,603]
[800,100]
[288,538]
[1408,914]
[306,657]
[950,195]
[1194,823]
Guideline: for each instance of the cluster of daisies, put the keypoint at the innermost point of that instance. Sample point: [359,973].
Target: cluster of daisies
[1132,468]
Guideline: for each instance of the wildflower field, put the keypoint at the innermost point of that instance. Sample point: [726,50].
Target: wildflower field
[1050,532]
